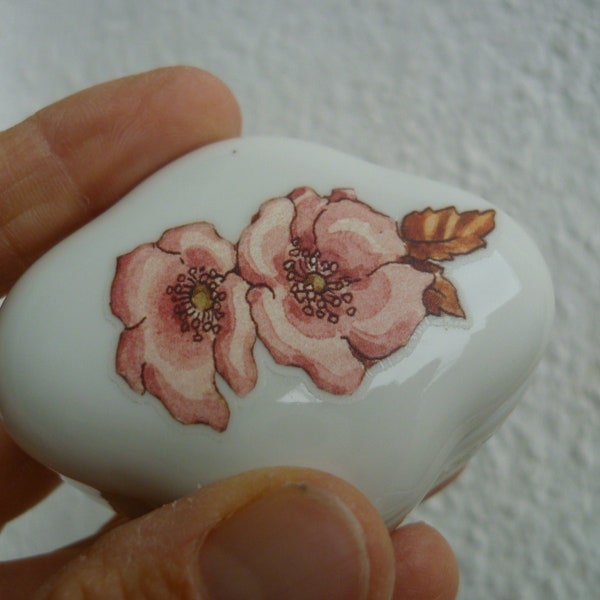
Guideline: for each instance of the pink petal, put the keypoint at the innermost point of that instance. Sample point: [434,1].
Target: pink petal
[130,358]
[389,307]
[178,370]
[357,238]
[328,361]
[342,194]
[309,326]
[181,376]
[264,244]
[188,391]
[234,343]
[308,207]
[199,244]
[135,286]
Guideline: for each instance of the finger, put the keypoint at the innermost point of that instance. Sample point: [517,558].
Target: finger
[19,579]
[426,568]
[67,163]
[285,533]
[23,481]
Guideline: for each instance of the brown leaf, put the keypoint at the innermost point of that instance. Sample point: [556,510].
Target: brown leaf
[441,297]
[445,233]
[421,265]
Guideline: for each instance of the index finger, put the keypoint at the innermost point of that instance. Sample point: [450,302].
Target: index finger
[70,161]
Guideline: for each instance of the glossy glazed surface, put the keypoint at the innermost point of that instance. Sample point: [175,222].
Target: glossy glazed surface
[415,414]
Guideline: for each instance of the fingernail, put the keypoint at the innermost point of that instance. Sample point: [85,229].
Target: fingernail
[297,542]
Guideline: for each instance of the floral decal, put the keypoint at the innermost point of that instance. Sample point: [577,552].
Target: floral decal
[330,292]
[327,283]
[186,318]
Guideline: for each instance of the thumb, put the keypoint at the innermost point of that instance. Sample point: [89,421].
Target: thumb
[284,533]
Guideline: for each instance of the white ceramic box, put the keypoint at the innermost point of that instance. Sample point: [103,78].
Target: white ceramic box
[266,301]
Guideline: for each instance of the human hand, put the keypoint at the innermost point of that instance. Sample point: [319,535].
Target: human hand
[271,533]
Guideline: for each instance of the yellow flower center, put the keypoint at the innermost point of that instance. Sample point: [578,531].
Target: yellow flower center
[316,281]
[198,301]
[201,297]
[317,285]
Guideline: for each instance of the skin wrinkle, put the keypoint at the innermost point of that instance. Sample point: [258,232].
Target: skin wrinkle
[11,190]
[94,114]
[8,248]
[49,141]
[22,207]
[15,166]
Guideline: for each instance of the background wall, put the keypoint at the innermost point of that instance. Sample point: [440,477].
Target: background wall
[501,98]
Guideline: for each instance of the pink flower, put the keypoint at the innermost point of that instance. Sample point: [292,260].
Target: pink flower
[186,318]
[330,291]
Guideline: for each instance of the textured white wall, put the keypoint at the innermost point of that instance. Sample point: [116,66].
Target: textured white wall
[501,98]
